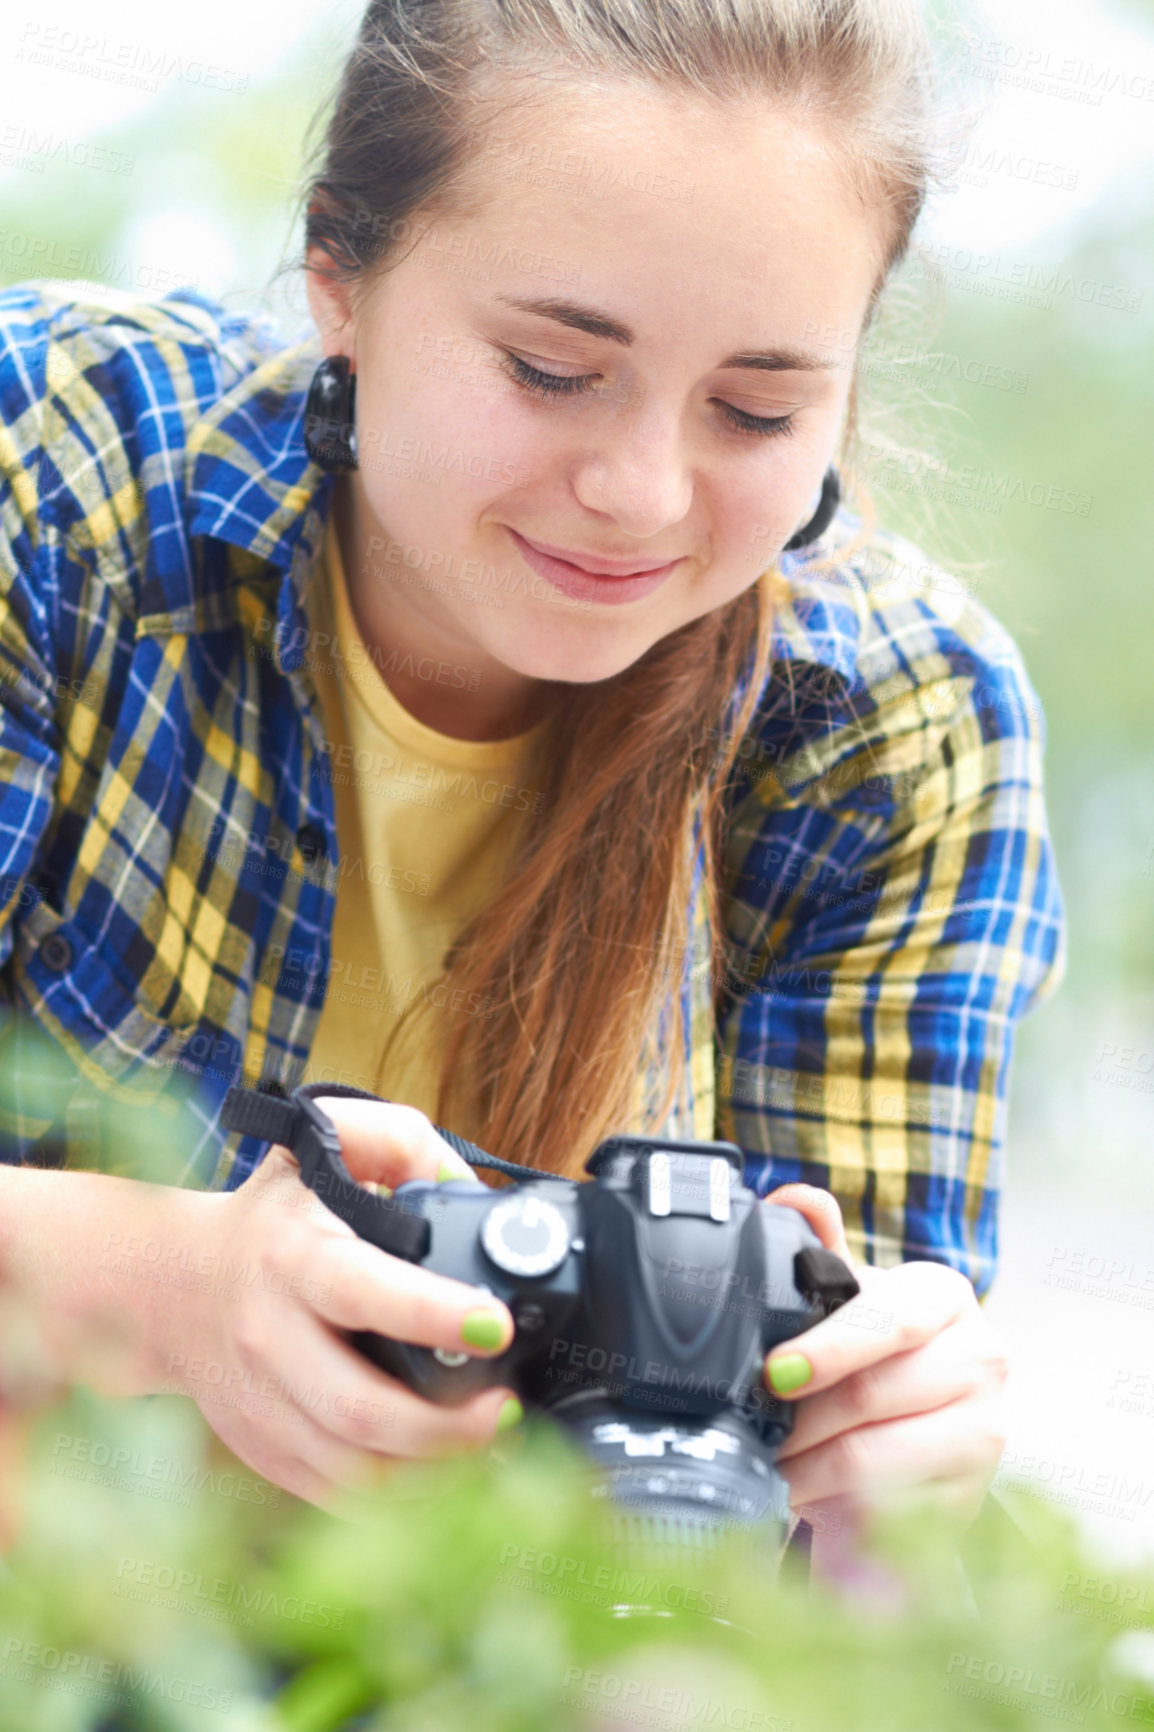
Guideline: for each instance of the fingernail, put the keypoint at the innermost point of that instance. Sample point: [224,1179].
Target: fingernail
[512,1413]
[483,1328]
[788,1373]
[454,1168]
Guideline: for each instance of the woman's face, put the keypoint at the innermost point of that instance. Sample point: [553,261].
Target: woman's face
[690,279]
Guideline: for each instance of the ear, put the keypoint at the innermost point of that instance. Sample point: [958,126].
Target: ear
[329,303]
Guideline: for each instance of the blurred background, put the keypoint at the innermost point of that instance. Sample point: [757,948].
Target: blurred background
[1007,399]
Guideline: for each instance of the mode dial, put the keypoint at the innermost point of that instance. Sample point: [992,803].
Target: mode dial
[525,1235]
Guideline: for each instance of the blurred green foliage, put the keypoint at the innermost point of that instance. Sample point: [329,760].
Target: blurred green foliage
[144,1595]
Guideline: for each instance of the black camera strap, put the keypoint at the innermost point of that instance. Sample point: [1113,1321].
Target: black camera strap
[298,1124]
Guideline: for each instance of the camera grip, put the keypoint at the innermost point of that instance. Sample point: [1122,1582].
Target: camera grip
[433,1378]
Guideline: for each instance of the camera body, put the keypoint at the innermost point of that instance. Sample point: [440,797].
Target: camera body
[645,1302]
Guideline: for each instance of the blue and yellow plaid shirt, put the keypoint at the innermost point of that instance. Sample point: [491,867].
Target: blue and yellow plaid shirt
[168,851]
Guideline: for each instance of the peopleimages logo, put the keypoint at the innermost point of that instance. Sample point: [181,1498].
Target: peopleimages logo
[220,1592]
[135,1470]
[965,1672]
[72,1671]
[1021,280]
[635,1698]
[119,60]
[1033,67]
[568,1577]
[42,255]
[971,483]
[1109,1601]
[1072,1485]
[28,148]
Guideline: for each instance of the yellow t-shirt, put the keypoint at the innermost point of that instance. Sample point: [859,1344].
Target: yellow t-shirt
[426,825]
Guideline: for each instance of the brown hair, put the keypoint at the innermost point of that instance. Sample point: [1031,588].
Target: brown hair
[577,953]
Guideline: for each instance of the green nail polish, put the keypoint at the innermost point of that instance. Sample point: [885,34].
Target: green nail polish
[512,1413]
[789,1372]
[483,1328]
[451,1169]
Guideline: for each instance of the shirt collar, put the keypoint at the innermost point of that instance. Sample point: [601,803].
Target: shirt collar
[818,610]
[250,482]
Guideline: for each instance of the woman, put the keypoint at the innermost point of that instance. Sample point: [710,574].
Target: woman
[480,703]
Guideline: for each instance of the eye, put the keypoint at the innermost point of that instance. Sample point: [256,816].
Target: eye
[548,384]
[566,385]
[757,424]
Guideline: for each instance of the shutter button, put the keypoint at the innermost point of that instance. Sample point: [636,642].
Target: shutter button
[311,843]
[56,952]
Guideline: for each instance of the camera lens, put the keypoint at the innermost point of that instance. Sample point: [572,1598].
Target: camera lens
[681,1472]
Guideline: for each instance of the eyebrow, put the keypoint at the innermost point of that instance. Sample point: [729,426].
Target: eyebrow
[596,324]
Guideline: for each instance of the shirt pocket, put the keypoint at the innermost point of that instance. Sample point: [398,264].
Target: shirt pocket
[57,975]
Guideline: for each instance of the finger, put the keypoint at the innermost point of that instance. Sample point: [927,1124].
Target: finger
[947,1369]
[373,1470]
[913,1303]
[305,1461]
[820,1209]
[326,1383]
[358,1286]
[293,1474]
[387,1142]
[426,1429]
[960,1496]
[957,1442]
[955,1495]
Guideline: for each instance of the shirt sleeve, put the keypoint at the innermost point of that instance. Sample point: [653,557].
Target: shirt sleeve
[34,1087]
[29,751]
[893,910]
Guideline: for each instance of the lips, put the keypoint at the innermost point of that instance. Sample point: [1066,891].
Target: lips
[598,567]
[615,589]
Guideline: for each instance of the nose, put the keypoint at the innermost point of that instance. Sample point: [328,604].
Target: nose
[637,472]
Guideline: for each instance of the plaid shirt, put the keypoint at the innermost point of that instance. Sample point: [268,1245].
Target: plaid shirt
[168,851]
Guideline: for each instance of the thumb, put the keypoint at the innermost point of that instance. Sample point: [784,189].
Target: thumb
[387,1142]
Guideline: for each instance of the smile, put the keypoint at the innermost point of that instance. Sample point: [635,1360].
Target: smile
[592,585]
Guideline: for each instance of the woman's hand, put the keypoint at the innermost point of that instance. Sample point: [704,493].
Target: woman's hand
[901,1388]
[260,1351]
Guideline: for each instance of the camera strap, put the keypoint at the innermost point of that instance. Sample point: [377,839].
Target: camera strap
[300,1125]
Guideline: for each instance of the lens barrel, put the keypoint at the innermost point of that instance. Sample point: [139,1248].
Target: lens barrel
[683,1472]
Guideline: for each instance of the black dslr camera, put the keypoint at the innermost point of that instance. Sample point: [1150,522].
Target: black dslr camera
[644,1302]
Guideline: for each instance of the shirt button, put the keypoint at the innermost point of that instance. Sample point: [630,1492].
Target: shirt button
[311,843]
[56,952]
